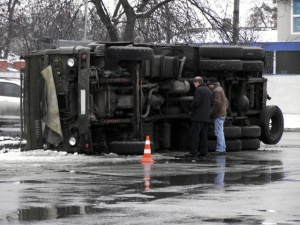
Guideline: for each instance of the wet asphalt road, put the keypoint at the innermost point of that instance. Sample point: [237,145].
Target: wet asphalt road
[247,187]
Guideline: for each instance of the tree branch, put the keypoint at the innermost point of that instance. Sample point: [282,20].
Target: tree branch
[104,16]
[150,11]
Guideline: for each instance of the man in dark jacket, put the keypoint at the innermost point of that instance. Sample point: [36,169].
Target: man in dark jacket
[200,116]
[218,113]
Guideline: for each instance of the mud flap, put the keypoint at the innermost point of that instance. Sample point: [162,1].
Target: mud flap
[50,110]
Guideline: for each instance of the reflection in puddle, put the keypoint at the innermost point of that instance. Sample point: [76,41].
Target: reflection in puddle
[150,196]
[147,173]
[228,220]
[23,182]
[221,174]
[40,213]
[263,173]
[242,220]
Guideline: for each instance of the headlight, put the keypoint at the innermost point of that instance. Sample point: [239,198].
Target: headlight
[71,62]
[72,141]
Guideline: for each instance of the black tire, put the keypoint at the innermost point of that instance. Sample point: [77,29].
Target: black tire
[232,132]
[250,144]
[231,145]
[251,131]
[254,52]
[130,53]
[128,147]
[221,65]
[272,124]
[221,52]
[253,66]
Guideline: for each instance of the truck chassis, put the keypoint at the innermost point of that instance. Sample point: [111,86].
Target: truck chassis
[106,97]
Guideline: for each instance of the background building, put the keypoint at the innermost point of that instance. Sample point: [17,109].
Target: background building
[288,20]
[282,57]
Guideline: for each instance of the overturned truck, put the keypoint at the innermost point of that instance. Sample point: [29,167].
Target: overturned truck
[106,97]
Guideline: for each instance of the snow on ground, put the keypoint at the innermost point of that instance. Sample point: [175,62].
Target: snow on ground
[48,156]
[291,121]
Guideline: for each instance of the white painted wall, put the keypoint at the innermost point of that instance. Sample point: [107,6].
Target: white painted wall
[284,22]
[285,92]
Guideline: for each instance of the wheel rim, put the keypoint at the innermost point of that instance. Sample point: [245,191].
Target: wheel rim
[273,125]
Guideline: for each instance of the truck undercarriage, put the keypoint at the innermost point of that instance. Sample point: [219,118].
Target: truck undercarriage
[106,97]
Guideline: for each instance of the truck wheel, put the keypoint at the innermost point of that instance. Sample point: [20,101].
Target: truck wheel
[231,145]
[253,52]
[250,144]
[128,147]
[221,52]
[221,65]
[271,123]
[130,53]
[251,131]
[232,132]
[253,66]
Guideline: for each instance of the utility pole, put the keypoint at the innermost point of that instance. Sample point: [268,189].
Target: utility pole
[236,18]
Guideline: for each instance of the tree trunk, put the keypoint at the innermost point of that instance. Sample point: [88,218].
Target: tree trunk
[104,16]
[11,10]
[129,29]
[131,18]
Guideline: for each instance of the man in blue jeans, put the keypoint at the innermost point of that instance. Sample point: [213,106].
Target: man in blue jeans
[218,113]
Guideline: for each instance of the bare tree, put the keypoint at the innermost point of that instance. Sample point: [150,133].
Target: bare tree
[96,29]
[7,25]
[127,15]
[172,23]
[62,19]
[219,26]
[154,21]
[24,21]
[263,16]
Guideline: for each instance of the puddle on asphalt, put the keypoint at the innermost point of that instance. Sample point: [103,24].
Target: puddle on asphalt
[148,189]
[228,220]
[44,213]
[23,182]
[221,175]
[265,172]
[241,220]
[219,179]
[41,213]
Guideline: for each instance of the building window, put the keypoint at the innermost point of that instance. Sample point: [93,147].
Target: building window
[269,61]
[296,16]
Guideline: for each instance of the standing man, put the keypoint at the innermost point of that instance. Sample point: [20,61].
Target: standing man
[218,113]
[200,116]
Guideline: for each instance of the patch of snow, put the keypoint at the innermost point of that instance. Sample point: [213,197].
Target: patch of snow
[291,121]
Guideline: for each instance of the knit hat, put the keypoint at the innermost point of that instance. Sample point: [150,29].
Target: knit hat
[212,80]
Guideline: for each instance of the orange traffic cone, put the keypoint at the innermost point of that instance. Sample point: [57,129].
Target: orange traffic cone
[147,152]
